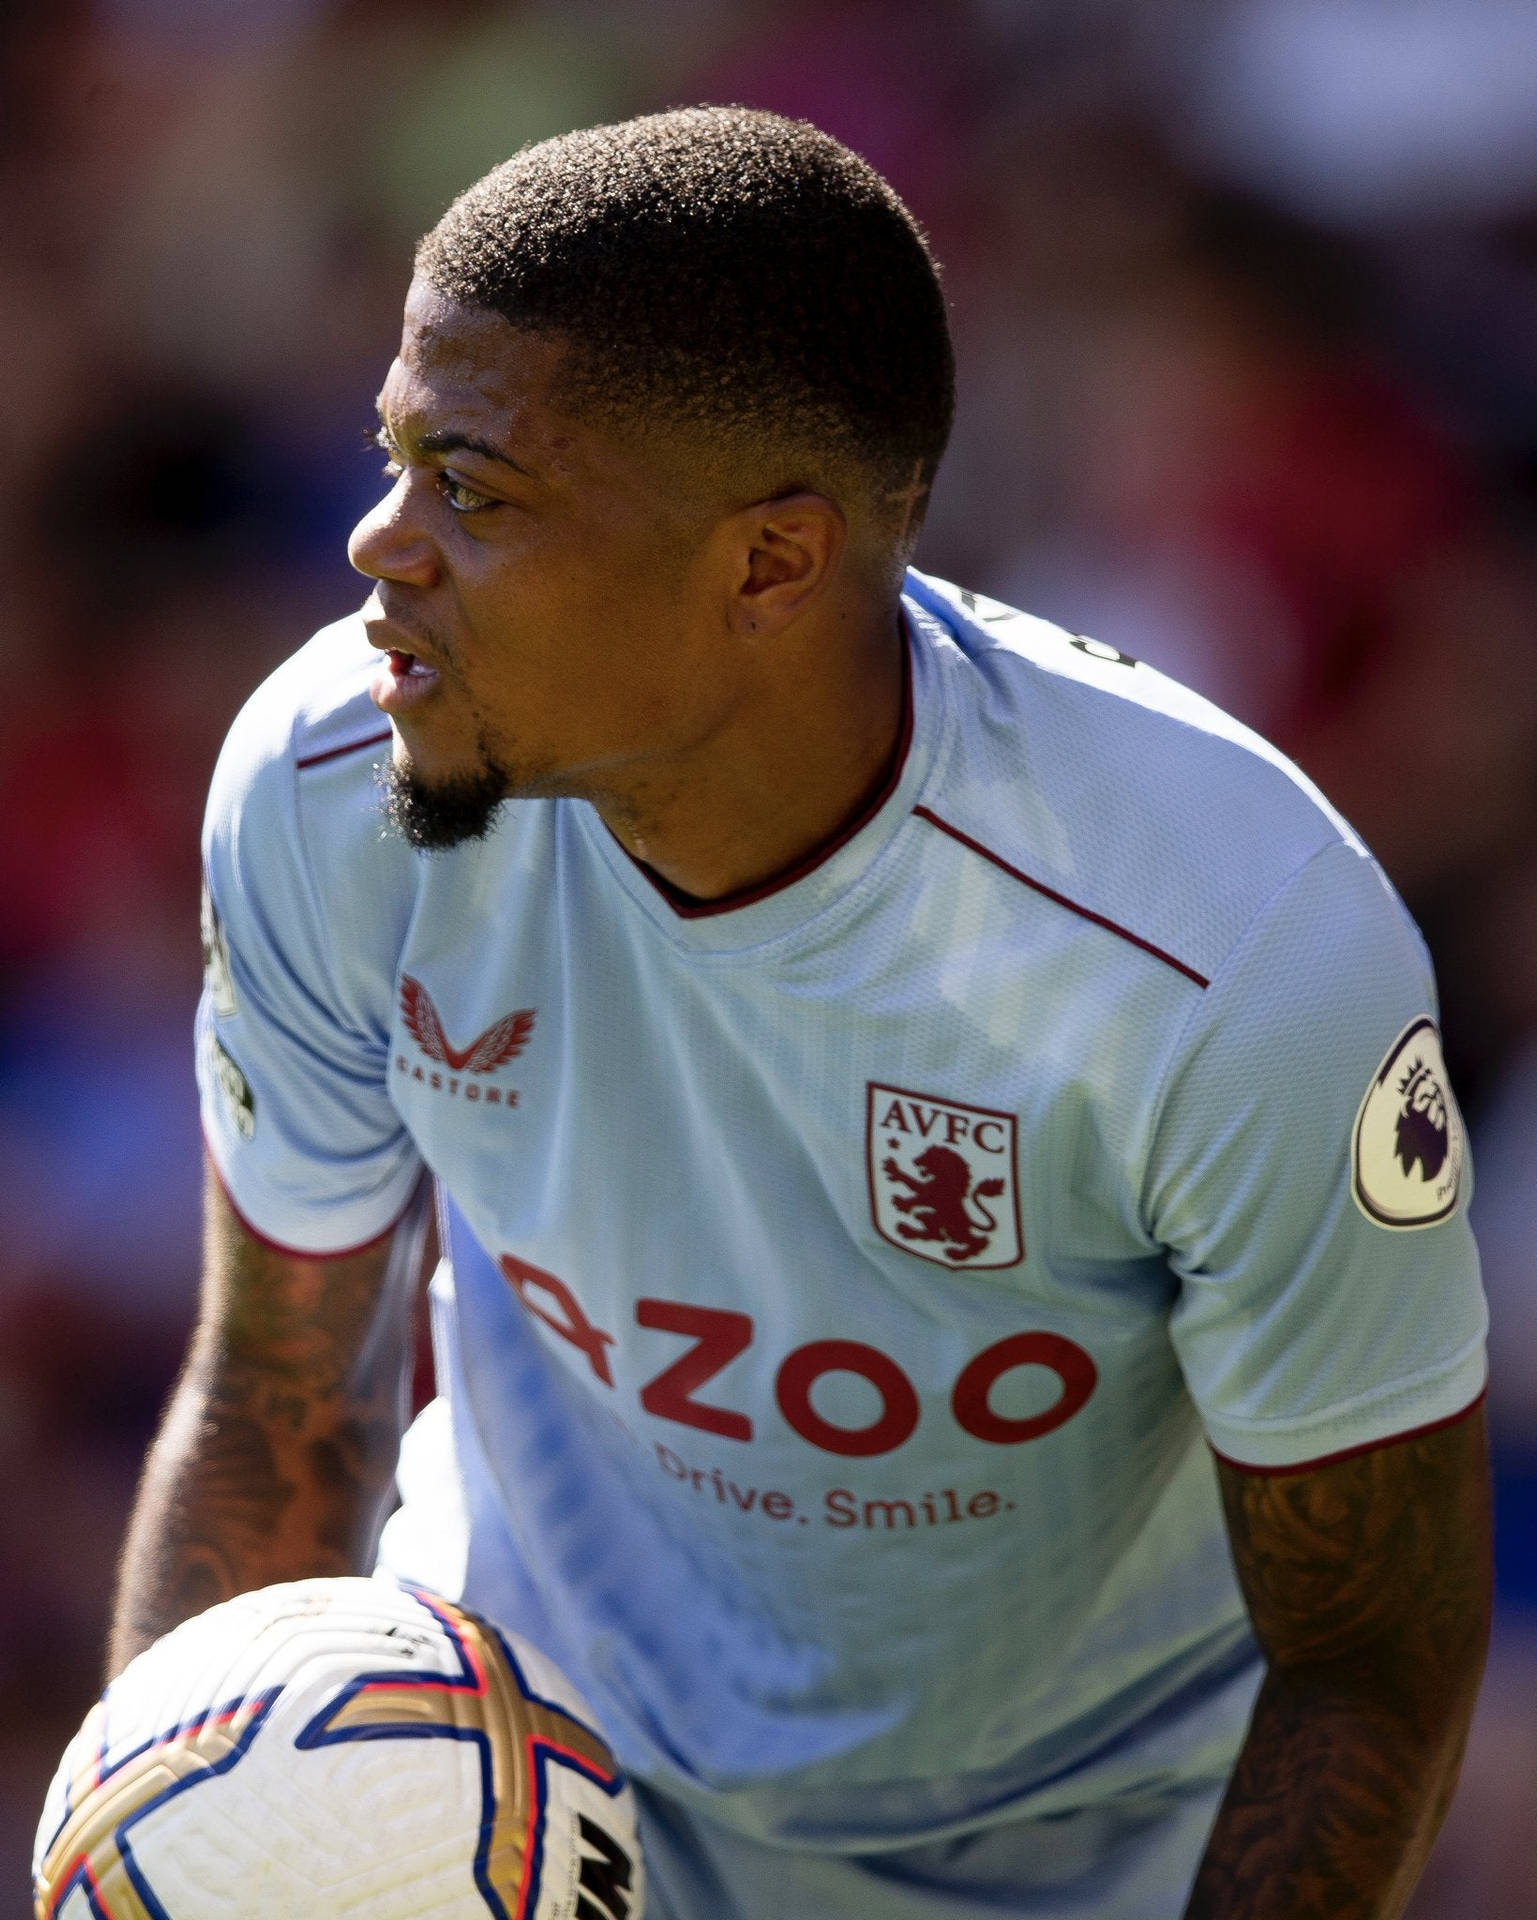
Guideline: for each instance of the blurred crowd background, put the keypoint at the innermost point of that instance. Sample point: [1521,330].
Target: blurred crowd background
[1245,300]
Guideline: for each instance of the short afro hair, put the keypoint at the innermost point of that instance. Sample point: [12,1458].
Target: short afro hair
[723,271]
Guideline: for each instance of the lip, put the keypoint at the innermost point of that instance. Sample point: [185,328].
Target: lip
[391,636]
[402,682]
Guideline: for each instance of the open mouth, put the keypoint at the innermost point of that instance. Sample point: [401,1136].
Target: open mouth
[401,682]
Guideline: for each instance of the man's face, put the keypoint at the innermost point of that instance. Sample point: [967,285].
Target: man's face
[543,596]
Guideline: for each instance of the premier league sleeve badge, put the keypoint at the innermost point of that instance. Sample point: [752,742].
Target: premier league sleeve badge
[1408,1148]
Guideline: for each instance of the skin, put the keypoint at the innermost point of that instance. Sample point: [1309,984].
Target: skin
[276,1458]
[1369,1585]
[716,668]
[716,665]
[709,655]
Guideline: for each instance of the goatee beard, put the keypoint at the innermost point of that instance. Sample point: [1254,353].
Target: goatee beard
[434,814]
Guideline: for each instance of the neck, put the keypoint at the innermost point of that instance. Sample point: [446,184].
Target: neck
[809,746]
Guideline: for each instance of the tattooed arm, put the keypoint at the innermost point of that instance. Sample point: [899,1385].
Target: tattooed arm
[277,1453]
[1368,1582]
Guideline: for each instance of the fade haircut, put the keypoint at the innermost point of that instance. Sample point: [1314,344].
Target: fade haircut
[741,277]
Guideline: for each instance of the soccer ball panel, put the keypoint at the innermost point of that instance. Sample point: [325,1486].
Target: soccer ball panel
[331,1748]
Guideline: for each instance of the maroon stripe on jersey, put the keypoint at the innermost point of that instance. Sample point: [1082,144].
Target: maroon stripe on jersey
[1354,1453]
[352,746]
[1061,899]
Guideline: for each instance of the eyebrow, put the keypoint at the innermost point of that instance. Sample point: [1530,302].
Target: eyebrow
[445,442]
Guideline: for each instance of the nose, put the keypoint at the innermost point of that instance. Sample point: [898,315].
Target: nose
[387,544]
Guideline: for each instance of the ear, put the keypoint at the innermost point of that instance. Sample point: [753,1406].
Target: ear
[785,554]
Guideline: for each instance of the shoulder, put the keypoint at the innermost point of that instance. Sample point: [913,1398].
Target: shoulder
[294,810]
[1105,781]
[314,708]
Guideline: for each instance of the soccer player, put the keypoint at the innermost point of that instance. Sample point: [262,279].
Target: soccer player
[959,1329]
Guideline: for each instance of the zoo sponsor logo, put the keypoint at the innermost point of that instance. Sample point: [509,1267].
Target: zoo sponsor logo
[717,1336]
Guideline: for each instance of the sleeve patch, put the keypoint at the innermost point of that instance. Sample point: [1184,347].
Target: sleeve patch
[1408,1149]
[236,1089]
[217,977]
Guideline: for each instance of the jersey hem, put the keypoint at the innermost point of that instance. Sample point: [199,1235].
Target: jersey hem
[284,1247]
[1269,1469]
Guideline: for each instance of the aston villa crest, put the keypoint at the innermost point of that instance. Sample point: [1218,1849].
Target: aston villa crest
[942,1178]
[1408,1147]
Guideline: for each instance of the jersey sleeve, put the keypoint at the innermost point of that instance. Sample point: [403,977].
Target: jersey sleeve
[293,1025]
[1308,1178]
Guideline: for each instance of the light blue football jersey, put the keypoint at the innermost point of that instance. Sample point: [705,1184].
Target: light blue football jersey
[846,1284]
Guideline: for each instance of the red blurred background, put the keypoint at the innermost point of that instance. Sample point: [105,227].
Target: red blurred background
[1245,298]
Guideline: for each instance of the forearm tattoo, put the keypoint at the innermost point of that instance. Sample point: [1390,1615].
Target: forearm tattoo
[1368,1583]
[278,1449]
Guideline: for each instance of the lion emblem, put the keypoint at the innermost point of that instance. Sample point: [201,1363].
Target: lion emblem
[1421,1132]
[943,1206]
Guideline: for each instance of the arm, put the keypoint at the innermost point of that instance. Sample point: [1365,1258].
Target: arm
[277,1454]
[1368,1582]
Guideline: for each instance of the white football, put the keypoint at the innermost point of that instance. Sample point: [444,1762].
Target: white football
[334,1748]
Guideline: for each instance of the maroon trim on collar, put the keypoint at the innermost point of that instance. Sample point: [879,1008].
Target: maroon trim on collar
[688,908]
[1061,899]
[1353,1453]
